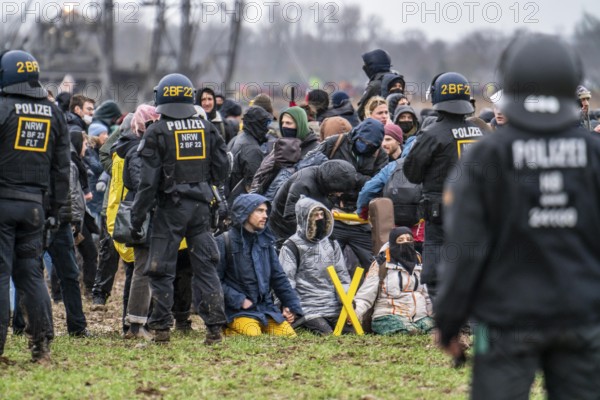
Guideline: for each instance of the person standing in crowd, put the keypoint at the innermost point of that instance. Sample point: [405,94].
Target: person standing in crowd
[341,106]
[392,141]
[377,108]
[583,97]
[249,270]
[207,99]
[30,169]
[376,64]
[305,257]
[527,269]
[81,111]
[318,103]
[406,118]
[178,169]
[435,152]
[246,151]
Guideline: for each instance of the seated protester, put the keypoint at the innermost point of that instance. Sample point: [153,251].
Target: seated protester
[406,118]
[362,148]
[331,178]
[341,106]
[401,302]
[249,269]
[293,125]
[305,257]
[334,126]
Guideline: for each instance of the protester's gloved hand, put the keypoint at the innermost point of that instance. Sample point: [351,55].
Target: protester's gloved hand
[64,214]
[364,213]
[137,234]
[100,187]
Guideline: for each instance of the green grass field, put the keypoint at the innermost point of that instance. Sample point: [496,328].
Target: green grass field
[307,367]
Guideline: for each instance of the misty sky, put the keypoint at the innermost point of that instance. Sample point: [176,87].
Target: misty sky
[556,17]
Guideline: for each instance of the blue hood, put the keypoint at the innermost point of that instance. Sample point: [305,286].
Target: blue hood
[376,61]
[244,205]
[370,130]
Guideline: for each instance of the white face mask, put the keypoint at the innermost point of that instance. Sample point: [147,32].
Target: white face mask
[87,119]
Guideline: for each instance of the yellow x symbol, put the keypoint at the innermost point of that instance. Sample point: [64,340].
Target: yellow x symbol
[347,309]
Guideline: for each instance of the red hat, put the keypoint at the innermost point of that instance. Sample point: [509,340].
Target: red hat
[394,131]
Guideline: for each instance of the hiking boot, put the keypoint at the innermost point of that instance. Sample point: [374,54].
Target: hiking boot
[162,336]
[214,335]
[84,333]
[184,326]
[40,352]
[98,304]
[137,331]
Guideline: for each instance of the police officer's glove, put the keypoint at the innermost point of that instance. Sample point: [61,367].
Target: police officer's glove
[65,213]
[137,234]
[223,209]
[100,187]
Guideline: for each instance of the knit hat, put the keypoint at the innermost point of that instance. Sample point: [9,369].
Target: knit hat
[319,99]
[583,92]
[96,129]
[264,101]
[337,98]
[334,126]
[143,114]
[394,131]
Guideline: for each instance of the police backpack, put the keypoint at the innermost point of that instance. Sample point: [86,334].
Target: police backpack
[405,195]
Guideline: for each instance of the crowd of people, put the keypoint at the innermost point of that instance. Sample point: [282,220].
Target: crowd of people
[235,211]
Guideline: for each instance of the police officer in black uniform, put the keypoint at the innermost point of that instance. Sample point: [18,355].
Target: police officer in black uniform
[182,156]
[34,167]
[523,218]
[435,152]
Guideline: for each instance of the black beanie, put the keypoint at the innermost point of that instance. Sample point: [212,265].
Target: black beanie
[319,98]
[399,231]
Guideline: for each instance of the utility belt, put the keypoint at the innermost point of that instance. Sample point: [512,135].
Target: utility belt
[430,207]
[6,193]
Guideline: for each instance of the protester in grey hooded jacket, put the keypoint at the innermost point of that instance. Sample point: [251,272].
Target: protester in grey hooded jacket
[305,263]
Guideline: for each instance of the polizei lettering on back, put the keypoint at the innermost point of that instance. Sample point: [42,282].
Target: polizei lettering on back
[466,132]
[550,153]
[185,124]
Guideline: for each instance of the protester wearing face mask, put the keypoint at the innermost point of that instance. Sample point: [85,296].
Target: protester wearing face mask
[406,118]
[305,257]
[401,302]
[81,111]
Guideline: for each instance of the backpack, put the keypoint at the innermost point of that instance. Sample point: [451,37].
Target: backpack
[405,195]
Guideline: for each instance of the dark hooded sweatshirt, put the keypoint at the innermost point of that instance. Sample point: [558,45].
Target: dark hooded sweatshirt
[316,182]
[376,64]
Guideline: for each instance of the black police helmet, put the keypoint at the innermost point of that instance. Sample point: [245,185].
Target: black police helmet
[451,92]
[539,74]
[20,74]
[174,96]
